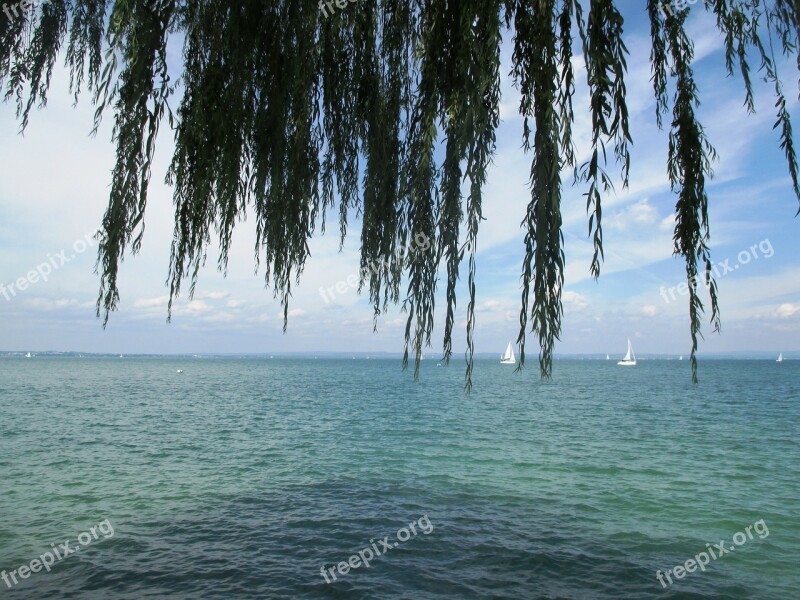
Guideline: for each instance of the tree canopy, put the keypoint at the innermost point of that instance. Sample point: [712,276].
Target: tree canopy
[387,109]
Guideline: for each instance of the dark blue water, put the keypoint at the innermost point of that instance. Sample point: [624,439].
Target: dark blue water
[244,478]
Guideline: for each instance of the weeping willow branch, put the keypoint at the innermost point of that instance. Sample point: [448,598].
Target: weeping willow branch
[139,108]
[604,52]
[536,74]
[387,111]
[689,166]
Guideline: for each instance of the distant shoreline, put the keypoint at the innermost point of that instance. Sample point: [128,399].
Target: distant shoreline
[788,355]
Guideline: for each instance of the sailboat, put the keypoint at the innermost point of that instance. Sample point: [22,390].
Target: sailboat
[608,357]
[630,357]
[508,358]
[28,355]
[780,357]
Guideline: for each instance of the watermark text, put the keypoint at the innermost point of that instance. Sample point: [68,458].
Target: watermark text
[57,552]
[43,271]
[421,242]
[720,269]
[326,5]
[367,555]
[712,552]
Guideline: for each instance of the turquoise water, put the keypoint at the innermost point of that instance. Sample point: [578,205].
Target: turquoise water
[243,478]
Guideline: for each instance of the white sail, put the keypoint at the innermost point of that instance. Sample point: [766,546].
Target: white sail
[630,350]
[508,357]
[630,357]
[780,357]
[608,357]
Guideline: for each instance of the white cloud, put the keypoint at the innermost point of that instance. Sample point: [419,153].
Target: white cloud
[159,302]
[573,301]
[212,295]
[193,308]
[634,216]
[649,310]
[787,310]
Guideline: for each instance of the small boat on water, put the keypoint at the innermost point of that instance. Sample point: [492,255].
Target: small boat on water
[608,357]
[630,357]
[508,357]
[28,355]
[780,357]
[180,370]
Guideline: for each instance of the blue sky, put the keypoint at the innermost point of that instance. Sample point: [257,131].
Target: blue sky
[54,190]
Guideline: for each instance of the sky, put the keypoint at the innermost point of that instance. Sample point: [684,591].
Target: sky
[54,184]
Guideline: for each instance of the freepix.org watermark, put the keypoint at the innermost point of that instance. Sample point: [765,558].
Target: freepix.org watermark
[420,242]
[325,5]
[721,269]
[58,552]
[713,552]
[670,8]
[13,10]
[43,271]
[365,556]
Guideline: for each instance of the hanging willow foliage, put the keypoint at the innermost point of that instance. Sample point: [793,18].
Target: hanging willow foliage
[388,107]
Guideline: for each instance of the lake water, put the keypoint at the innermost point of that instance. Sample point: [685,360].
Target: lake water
[244,478]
